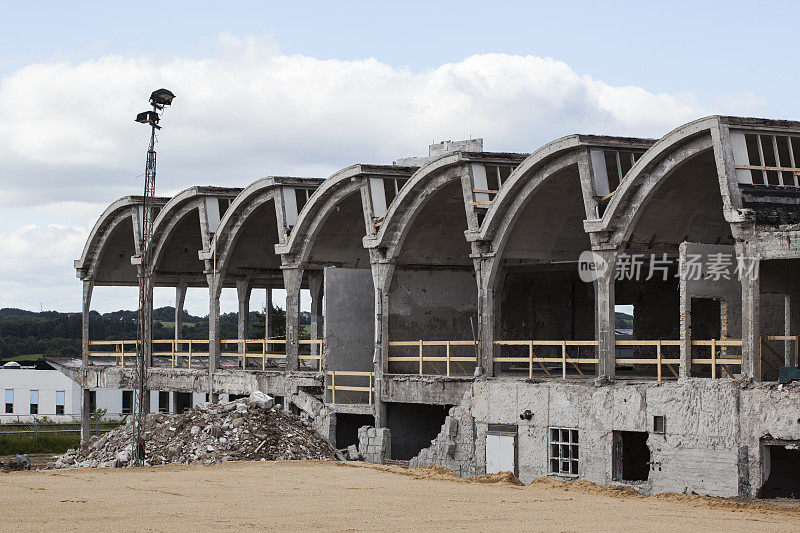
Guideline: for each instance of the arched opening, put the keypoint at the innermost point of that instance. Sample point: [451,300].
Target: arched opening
[433,293]
[539,295]
[684,212]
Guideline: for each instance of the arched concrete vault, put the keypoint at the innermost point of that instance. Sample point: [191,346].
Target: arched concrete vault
[113,241]
[527,248]
[256,221]
[182,229]
[331,226]
[684,170]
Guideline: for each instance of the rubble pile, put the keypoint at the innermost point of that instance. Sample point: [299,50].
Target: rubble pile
[251,429]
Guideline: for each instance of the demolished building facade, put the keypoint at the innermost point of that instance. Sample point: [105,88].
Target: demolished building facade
[469,304]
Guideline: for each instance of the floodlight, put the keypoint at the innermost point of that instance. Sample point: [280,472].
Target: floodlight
[161,97]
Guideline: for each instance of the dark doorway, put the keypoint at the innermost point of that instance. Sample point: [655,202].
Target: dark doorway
[347,428]
[413,427]
[631,456]
[784,473]
[183,401]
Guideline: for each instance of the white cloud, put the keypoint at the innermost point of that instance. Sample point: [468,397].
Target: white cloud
[69,139]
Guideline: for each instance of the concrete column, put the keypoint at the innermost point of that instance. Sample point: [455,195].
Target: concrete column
[382,280]
[751,323]
[605,320]
[213,325]
[685,369]
[268,314]
[180,300]
[315,283]
[788,346]
[292,280]
[88,287]
[243,289]
[85,415]
[488,313]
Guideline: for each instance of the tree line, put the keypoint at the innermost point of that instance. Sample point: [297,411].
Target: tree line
[54,334]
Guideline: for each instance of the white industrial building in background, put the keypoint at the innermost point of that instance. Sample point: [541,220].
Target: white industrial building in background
[35,390]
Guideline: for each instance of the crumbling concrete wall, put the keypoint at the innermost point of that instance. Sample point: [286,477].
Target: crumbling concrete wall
[432,304]
[537,304]
[454,446]
[711,443]
[374,444]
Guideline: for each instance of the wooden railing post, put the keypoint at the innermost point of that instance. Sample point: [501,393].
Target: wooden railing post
[448,359]
[658,357]
[264,355]
[564,359]
[713,358]
[370,387]
[190,355]
[530,359]
[333,387]
[123,355]
[420,357]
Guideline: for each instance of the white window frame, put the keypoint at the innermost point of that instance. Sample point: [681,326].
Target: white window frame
[563,451]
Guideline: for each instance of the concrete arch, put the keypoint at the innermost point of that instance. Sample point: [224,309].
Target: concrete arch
[229,231]
[316,212]
[422,185]
[123,211]
[174,213]
[668,155]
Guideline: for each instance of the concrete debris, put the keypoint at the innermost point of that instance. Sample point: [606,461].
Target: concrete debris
[20,462]
[208,434]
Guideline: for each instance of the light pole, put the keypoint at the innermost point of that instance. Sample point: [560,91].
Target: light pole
[159,99]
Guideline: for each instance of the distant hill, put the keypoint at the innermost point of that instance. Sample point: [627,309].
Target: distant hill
[623,321]
[55,334]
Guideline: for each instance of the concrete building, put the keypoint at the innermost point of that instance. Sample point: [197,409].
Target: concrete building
[469,305]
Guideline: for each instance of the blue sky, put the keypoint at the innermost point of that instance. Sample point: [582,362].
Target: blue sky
[258,83]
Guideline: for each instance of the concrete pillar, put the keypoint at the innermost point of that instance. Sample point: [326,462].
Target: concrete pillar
[488,313]
[788,346]
[315,283]
[243,289]
[292,280]
[180,300]
[85,415]
[88,287]
[213,326]
[605,320]
[751,323]
[382,280]
[268,314]
[685,369]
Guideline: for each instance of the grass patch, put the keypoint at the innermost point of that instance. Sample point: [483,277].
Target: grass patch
[42,443]
[25,357]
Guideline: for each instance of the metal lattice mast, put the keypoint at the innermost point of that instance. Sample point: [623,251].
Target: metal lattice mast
[158,99]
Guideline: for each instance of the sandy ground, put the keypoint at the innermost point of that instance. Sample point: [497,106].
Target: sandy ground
[350,496]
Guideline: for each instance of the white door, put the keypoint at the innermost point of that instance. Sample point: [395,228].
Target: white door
[499,453]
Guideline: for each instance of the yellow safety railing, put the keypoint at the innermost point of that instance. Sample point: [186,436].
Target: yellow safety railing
[344,389]
[190,349]
[659,360]
[723,359]
[420,357]
[531,358]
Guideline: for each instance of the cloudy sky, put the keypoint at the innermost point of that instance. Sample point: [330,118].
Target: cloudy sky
[268,88]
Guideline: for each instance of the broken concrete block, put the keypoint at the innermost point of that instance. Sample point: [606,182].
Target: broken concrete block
[352,453]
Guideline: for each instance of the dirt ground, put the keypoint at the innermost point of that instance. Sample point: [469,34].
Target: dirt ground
[334,496]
